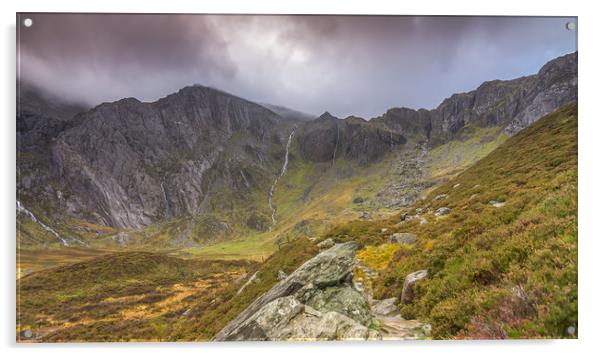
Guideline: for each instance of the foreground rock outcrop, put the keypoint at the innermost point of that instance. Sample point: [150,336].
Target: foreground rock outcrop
[315,302]
[320,301]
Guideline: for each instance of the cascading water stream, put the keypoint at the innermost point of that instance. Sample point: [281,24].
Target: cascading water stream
[166,201]
[336,145]
[25,211]
[282,173]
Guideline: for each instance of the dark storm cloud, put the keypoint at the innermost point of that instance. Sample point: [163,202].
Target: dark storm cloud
[343,64]
[106,57]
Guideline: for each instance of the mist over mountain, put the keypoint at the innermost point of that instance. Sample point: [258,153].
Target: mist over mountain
[290,114]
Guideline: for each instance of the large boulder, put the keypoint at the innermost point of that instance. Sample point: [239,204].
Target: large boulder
[268,320]
[328,243]
[403,238]
[385,307]
[407,293]
[497,204]
[442,211]
[315,302]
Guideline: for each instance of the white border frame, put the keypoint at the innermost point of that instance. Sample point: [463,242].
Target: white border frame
[590,129]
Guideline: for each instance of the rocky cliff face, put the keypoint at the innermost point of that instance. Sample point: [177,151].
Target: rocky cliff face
[132,163]
[554,85]
[328,138]
[41,118]
[512,104]
[410,122]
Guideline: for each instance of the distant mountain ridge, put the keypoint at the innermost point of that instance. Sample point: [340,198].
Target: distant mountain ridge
[327,137]
[211,157]
[134,162]
[512,104]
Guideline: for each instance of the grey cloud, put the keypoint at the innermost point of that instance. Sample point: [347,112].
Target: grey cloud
[348,65]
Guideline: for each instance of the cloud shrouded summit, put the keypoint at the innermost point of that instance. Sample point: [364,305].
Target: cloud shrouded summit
[347,65]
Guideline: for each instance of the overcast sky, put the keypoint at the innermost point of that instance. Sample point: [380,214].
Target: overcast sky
[347,65]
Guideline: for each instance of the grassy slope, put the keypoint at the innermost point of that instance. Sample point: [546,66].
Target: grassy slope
[119,297]
[142,296]
[29,261]
[311,198]
[455,156]
[495,272]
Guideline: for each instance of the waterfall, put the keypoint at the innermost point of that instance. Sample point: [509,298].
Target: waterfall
[282,173]
[336,145]
[288,146]
[270,194]
[167,210]
[25,211]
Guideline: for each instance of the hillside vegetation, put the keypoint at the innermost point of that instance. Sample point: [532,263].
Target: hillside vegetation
[503,263]
[123,296]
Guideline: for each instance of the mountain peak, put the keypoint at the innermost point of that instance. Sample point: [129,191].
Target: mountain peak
[568,60]
[326,116]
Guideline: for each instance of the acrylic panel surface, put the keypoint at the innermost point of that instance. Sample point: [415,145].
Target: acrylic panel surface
[285,178]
